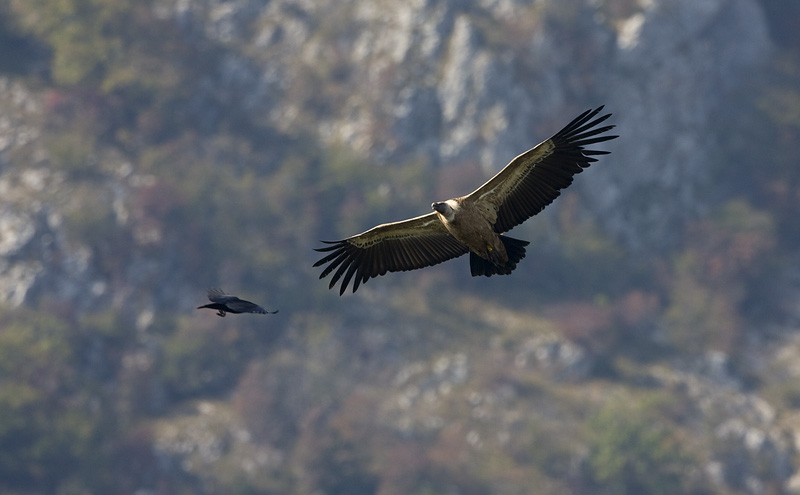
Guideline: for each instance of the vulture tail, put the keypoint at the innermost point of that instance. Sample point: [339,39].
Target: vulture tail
[516,251]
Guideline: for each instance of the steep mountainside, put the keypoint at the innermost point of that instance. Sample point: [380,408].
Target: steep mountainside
[151,149]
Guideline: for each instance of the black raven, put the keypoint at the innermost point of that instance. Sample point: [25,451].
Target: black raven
[224,303]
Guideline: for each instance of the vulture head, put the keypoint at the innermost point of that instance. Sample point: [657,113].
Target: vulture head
[445,209]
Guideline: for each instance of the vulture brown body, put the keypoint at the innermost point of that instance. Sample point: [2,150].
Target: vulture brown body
[474,223]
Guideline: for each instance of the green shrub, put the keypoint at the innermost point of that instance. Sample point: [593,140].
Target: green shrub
[633,450]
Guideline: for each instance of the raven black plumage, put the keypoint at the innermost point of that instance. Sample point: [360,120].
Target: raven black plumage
[225,303]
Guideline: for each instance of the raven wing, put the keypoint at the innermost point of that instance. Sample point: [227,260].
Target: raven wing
[243,306]
[217,295]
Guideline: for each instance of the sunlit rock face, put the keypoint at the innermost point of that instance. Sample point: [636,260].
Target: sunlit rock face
[672,82]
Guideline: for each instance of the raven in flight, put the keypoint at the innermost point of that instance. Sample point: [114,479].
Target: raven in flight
[475,223]
[224,303]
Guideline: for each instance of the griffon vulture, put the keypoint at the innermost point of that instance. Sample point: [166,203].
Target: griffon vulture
[474,223]
[224,303]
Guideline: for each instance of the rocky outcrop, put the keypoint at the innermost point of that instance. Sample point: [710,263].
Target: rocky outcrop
[672,79]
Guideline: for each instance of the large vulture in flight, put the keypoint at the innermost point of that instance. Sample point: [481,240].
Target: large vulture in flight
[474,223]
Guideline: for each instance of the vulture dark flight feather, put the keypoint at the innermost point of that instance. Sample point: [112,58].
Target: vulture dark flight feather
[474,223]
[224,303]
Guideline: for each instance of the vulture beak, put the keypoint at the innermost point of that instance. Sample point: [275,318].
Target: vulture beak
[444,209]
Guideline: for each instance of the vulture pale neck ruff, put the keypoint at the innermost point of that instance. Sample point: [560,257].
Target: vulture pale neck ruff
[475,223]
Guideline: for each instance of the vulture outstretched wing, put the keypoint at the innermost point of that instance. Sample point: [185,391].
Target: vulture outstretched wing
[535,178]
[391,247]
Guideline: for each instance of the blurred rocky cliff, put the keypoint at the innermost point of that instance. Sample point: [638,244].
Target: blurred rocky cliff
[151,149]
[452,83]
[476,82]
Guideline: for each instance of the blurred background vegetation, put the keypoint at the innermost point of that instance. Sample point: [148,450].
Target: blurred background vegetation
[595,368]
